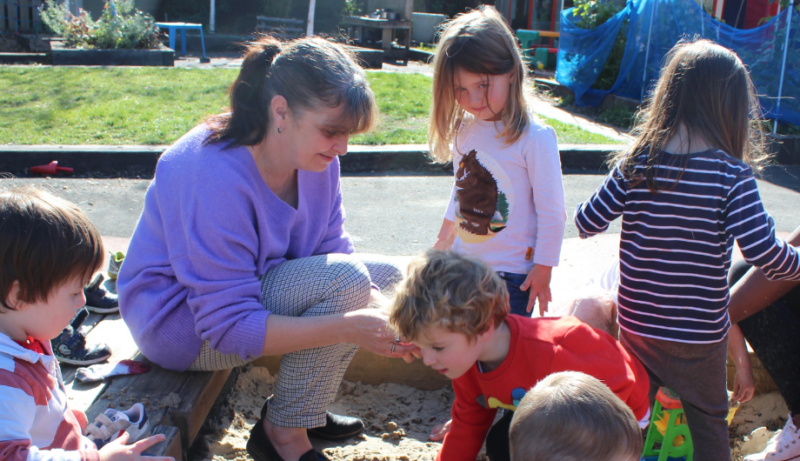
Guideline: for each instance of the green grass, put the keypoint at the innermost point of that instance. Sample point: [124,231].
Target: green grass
[53,105]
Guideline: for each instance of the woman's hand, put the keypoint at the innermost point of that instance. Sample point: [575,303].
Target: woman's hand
[538,280]
[370,329]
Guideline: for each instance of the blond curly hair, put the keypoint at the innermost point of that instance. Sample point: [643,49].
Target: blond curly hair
[444,289]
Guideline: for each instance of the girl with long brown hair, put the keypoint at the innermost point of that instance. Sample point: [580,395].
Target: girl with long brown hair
[685,192]
[507,205]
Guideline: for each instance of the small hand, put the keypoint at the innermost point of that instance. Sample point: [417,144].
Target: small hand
[119,451]
[440,430]
[743,384]
[538,280]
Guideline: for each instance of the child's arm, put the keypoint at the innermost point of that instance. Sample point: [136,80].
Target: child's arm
[605,205]
[754,231]
[538,280]
[743,386]
[544,174]
[447,234]
[469,425]
[753,292]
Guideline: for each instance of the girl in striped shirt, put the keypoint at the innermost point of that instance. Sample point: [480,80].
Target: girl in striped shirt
[685,192]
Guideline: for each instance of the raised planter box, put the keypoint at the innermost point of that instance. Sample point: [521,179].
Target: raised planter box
[368,58]
[24,58]
[162,56]
[785,149]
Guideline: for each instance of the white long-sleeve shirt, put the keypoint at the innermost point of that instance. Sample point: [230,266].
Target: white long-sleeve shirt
[508,200]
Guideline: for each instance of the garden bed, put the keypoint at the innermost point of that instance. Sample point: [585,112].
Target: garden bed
[62,56]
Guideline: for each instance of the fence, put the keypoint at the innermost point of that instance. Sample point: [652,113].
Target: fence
[20,16]
[771,52]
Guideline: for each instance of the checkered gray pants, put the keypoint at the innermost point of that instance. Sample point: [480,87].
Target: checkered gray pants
[319,285]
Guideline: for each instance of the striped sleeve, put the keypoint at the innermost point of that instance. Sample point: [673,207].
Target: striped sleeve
[606,204]
[754,231]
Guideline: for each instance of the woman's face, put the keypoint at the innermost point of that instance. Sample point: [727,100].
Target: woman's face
[312,139]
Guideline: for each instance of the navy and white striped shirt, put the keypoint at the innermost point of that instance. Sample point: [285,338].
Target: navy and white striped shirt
[675,247]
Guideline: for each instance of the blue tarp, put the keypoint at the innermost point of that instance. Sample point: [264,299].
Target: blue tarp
[582,53]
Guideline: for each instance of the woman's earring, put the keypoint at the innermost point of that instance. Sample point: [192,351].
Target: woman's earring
[280,129]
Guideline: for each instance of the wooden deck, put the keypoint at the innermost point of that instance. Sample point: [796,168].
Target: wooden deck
[177,404]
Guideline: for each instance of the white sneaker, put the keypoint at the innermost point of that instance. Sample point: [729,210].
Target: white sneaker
[784,446]
[111,424]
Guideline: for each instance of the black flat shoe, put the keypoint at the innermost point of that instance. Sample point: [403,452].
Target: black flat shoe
[260,448]
[337,427]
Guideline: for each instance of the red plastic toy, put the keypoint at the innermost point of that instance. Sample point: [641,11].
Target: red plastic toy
[51,168]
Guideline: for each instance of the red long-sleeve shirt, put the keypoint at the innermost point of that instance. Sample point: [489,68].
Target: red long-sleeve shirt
[538,348]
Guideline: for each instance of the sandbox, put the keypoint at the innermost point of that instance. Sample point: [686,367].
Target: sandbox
[398,419]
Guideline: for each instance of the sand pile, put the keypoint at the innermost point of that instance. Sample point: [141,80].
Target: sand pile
[755,423]
[399,418]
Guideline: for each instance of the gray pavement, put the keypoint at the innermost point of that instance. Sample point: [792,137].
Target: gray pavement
[392,215]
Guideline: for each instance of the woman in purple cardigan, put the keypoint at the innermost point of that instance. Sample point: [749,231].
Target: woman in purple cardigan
[241,251]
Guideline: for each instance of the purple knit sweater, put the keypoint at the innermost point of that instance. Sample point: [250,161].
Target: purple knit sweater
[210,227]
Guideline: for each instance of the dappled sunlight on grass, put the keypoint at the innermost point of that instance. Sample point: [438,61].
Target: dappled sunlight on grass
[60,105]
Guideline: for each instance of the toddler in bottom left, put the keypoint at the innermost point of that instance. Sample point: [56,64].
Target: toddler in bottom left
[48,251]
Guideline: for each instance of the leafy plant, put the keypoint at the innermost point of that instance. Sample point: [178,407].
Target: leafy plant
[618,115]
[120,26]
[589,15]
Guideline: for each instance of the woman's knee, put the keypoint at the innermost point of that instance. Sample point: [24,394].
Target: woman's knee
[349,279]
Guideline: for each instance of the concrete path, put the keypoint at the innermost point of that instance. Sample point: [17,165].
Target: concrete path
[401,215]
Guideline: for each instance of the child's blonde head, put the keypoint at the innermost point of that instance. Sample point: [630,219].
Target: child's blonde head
[571,416]
[45,242]
[479,42]
[447,290]
[706,89]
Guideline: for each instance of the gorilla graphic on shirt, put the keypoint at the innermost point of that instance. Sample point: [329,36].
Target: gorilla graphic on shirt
[481,205]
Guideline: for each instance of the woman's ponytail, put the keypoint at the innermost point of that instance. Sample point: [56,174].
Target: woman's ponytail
[246,122]
[309,73]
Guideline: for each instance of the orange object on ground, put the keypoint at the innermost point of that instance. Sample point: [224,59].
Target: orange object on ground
[51,168]
[668,398]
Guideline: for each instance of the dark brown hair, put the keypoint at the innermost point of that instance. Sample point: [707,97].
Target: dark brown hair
[308,72]
[571,416]
[706,89]
[45,242]
[479,42]
[451,291]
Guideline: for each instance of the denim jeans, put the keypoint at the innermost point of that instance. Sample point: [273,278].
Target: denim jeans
[517,298]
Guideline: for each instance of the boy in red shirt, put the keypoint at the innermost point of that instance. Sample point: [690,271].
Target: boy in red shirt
[454,308]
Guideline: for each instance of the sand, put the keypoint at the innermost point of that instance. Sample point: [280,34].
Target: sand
[755,423]
[399,418]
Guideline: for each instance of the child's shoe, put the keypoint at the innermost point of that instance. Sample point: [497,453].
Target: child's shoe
[70,346]
[111,424]
[98,300]
[114,263]
[784,446]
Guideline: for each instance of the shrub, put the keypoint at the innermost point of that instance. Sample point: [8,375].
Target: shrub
[592,13]
[120,26]
[618,115]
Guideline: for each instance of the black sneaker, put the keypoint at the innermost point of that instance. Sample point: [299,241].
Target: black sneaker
[70,346]
[98,300]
